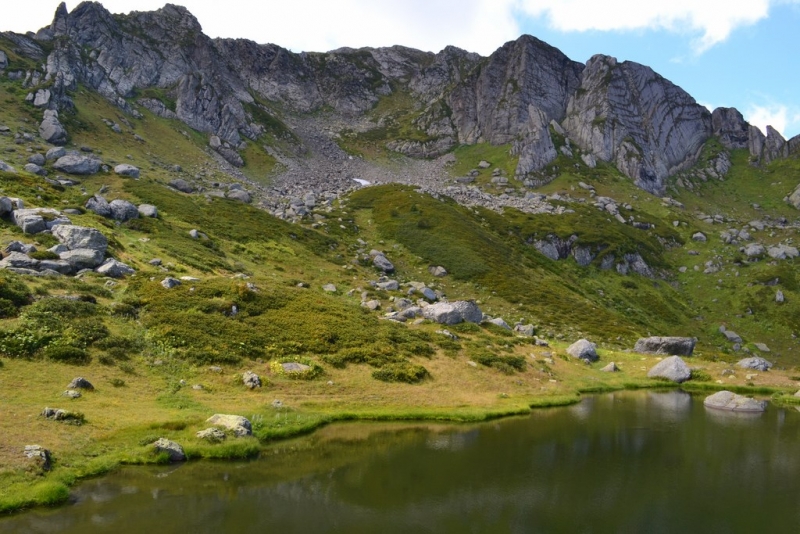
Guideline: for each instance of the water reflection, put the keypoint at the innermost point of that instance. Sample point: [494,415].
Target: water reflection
[615,463]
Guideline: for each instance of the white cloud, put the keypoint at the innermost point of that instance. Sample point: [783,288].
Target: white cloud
[780,116]
[713,20]
[475,25]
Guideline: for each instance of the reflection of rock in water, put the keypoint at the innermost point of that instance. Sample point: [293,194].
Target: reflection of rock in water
[456,441]
[672,405]
[727,418]
[583,409]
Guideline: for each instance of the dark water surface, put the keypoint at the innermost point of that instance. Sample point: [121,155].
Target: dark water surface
[625,462]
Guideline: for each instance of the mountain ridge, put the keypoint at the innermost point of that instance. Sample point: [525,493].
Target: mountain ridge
[619,112]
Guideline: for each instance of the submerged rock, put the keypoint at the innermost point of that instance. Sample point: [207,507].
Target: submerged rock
[726,400]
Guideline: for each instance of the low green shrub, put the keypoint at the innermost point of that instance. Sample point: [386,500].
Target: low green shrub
[504,364]
[66,354]
[401,372]
[314,370]
[44,255]
[700,375]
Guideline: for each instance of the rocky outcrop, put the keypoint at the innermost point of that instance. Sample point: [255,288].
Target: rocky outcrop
[730,127]
[627,114]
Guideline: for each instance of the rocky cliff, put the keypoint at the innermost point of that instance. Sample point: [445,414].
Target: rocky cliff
[233,90]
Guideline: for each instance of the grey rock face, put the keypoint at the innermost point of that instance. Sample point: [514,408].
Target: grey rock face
[583,350]
[756,363]
[671,346]
[55,153]
[37,159]
[6,206]
[77,164]
[453,312]
[124,169]
[31,220]
[729,125]
[173,450]
[5,167]
[51,129]
[239,425]
[672,368]
[3,60]
[81,237]
[627,114]
[726,400]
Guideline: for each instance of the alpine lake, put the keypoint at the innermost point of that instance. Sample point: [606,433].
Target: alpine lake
[634,461]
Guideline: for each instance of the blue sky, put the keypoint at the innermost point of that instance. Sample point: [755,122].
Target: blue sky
[724,53]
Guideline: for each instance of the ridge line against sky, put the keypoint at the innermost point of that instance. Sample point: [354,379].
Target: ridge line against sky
[723,53]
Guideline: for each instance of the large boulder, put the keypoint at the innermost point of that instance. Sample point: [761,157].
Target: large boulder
[77,164]
[122,210]
[182,185]
[240,194]
[80,237]
[173,450]
[672,368]
[99,205]
[30,221]
[240,426]
[19,260]
[755,363]
[382,262]
[124,169]
[726,400]
[51,130]
[583,350]
[794,198]
[83,258]
[453,312]
[668,346]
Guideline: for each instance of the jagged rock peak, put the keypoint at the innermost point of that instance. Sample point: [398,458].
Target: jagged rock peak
[627,114]
[731,128]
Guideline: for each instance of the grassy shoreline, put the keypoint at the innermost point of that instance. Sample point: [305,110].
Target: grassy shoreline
[119,430]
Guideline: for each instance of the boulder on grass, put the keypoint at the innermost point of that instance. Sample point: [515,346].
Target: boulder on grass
[668,346]
[81,237]
[115,269]
[240,426]
[453,312]
[672,368]
[77,164]
[583,350]
[124,169]
[173,450]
